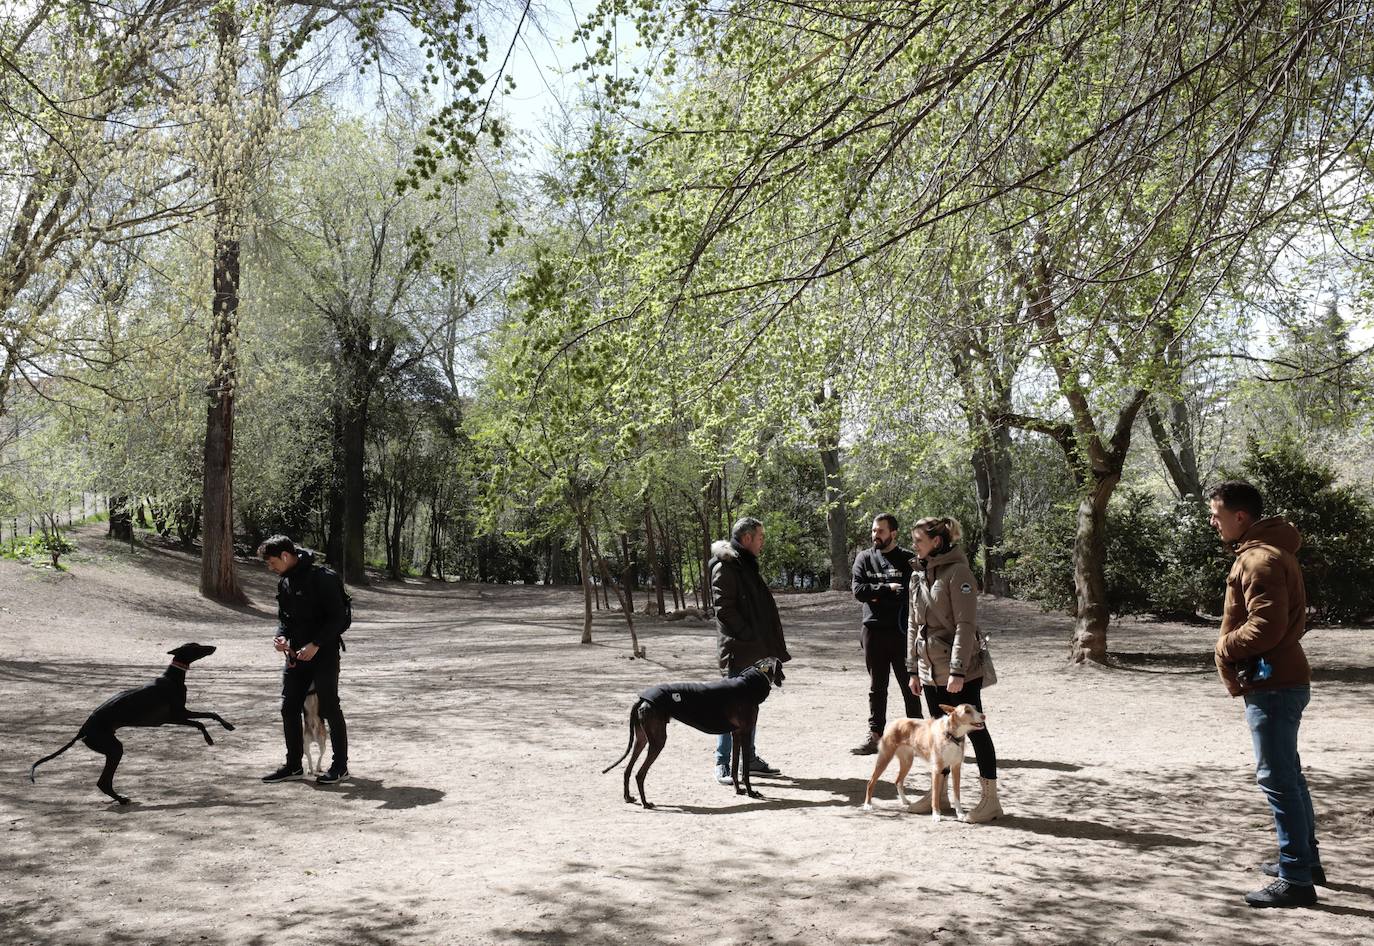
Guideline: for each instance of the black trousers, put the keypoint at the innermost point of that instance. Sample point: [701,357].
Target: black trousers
[885,656]
[296,678]
[972,692]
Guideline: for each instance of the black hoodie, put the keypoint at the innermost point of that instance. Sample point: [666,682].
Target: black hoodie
[310,605]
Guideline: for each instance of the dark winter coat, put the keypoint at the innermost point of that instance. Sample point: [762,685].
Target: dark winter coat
[874,572]
[310,605]
[747,622]
[1266,609]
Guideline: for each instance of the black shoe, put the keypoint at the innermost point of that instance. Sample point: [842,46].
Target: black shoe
[868,747]
[1271,869]
[284,774]
[335,774]
[1281,893]
[759,767]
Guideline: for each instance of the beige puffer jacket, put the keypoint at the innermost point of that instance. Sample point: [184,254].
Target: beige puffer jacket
[943,638]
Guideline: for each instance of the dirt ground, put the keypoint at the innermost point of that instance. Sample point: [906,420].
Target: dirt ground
[478,812]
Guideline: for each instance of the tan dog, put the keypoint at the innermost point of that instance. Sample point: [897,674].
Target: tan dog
[939,741]
[312,727]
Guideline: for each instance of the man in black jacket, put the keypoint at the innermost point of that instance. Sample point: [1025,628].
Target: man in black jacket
[881,576]
[311,614]
[747,622]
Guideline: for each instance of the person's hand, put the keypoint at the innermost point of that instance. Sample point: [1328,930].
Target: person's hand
[307,652]
[914,683]
[280,644]
[955,684]
[896,588]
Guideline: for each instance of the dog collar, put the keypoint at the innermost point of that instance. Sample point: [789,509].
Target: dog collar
[180,666]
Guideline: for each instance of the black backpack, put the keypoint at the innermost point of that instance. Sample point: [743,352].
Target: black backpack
[348,601]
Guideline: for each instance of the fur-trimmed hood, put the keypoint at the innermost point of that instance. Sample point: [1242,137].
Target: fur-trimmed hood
[723,550]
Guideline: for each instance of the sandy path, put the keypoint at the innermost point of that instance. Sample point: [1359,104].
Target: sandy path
[478,813]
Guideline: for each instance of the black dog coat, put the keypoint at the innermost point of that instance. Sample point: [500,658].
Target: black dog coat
[702,705]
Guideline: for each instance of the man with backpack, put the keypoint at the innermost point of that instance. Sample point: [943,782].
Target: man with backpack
[313,611]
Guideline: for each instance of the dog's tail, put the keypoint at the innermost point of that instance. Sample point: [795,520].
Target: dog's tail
[629,745]
[53,756]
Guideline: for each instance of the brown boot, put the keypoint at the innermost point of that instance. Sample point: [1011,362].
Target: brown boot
[869,746]
[988,806]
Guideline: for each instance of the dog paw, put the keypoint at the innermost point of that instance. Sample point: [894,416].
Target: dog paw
[649,806]
[228,726]
[754,794]
[866,807]
[935,816]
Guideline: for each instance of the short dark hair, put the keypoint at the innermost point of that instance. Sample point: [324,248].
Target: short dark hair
[1239,496]
[275,545]
[742,527]
[887,517]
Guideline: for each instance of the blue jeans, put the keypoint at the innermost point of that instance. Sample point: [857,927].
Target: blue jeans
[724,740]
[1274,717]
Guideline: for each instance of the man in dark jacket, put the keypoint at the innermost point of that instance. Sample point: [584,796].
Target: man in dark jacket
[881,576]
[1259,656]
[311,614]
[747,622]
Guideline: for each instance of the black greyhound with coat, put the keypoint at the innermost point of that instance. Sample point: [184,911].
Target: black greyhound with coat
[161,702]
[730,706]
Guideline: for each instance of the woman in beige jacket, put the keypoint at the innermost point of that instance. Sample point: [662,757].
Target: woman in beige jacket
[950,656]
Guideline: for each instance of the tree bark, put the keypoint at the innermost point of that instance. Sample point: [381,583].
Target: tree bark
[121,522]
[588,591]
[836,521]
[1175,447]
[651,551]
[354,433]
[1090,572]
[992,474]
[836,507]
[218,579]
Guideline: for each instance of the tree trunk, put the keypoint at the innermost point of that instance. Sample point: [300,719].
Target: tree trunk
[651,550]
[121,523]
[187,523]
[836,520]
[588,591]
[1090,572]
[992,473]
[334,537]
[218,580]
[354,434]
[1175,448]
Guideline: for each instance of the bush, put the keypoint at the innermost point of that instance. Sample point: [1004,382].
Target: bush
[1336,522]
[46,547]
[1166,562]
[1170,562]
[1039,562]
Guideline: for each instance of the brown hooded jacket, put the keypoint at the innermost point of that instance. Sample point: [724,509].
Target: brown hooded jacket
[1266,609]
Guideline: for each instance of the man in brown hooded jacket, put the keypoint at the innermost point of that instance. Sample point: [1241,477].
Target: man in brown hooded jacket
[1259,656]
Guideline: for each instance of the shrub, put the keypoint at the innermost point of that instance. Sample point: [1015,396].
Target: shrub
[1336,522]
[1039,562]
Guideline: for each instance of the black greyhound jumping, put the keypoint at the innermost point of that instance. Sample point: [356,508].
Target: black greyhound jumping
[730,706]
[161,702]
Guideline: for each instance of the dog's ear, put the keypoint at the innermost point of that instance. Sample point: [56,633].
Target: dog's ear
[949,710]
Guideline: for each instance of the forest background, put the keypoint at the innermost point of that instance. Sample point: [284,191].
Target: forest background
[1048,267]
